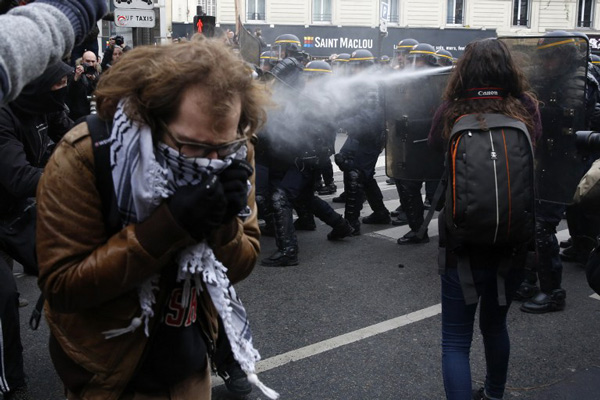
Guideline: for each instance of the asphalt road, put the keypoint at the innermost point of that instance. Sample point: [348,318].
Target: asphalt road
[360,319]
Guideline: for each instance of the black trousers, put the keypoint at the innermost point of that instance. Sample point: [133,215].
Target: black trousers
[11,349]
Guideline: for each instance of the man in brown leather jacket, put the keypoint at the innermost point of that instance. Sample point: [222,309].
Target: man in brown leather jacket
[134,313]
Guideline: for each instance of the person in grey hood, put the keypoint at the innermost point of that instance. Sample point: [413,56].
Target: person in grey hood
[29,128]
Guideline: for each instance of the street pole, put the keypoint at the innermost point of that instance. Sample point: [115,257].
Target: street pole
[163,21]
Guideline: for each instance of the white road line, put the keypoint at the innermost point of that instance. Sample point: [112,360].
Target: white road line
[595,296]
[351,337]
[342,340]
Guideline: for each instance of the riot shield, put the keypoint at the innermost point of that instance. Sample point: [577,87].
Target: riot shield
[556,67]
[249,46]
[409,108]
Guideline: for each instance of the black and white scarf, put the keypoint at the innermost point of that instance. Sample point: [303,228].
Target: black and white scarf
[143,176]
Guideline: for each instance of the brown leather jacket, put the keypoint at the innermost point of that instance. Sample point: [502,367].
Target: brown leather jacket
[89,279]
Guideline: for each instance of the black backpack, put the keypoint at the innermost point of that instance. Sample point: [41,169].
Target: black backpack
[490,197]
[99,132]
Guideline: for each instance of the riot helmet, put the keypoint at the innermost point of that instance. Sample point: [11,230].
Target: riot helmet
[401,51]
[268,59]
[560,52]
[361,59]
[286,45]
[385,61]
[422,55]
[339,62]
[444,58]
[317,69]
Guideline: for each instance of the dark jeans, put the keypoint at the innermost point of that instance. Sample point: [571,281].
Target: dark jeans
[457,332]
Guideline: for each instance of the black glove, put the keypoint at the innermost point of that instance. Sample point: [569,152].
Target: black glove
[234,179]
[199,208]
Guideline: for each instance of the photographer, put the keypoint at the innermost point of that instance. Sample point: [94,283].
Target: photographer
[82,85]
[115,43]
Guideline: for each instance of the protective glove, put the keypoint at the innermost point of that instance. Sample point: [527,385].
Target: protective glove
[82,14]
[234,179]
[199,208]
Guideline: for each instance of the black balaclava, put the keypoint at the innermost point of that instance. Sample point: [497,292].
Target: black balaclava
[37,98]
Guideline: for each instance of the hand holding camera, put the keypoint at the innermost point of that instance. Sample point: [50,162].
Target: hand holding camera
[199,208]
[234,180]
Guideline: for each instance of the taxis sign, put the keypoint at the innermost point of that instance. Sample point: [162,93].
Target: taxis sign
[129,18]
[136,4]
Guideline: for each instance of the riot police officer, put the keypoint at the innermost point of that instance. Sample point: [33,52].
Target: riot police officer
[420,56]
[339,63]
[563,90]
[295,151]
[444,58]
[401,52]
[287,48]
[364,124]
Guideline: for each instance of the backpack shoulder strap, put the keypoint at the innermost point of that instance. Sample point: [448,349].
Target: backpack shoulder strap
[100,133]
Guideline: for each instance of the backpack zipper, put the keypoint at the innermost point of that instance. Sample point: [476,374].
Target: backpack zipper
[494,157]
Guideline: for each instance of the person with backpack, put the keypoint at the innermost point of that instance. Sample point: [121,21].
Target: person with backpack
[484,125]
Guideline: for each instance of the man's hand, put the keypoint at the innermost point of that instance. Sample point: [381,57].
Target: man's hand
[199,208]
[235,185]
[78,72]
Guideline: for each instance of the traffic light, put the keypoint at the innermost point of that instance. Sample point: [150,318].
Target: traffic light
[204,24]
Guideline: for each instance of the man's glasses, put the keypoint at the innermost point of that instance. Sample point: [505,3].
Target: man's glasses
[202,150]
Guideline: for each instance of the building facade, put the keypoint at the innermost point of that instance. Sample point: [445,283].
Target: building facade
[507,17]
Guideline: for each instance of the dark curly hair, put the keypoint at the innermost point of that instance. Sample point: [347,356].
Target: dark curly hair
[153,79]
[487,63]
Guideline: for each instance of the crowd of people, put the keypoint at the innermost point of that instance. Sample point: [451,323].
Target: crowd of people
[134,190]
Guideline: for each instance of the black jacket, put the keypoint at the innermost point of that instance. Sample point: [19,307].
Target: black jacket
[26,142]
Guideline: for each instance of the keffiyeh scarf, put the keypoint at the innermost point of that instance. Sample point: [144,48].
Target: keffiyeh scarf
[143,176]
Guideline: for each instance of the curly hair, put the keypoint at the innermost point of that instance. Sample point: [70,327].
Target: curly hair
[487,63]
[153,79]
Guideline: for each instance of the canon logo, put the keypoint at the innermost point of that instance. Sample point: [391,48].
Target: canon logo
[487,93]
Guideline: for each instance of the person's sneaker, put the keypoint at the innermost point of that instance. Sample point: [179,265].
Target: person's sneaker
[526,291]
[235,379]
[544,303]
[20,393]
[340,199]
[479,394]
[327,189]
[305,224]
[377,218]
[390,181]
[281,259]
[411,238]
[341,230]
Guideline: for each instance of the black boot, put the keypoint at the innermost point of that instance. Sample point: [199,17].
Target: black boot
[282,258]
[340,199]
[380,215]
[340,230]
[354,199]
[327,189]
[544,303]
[285,234]
[411,238]
[377,218]
[580,250]
[526,291]
[305,222]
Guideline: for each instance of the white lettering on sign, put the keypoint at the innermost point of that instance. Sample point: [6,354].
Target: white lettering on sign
[131,18]
[356,43]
